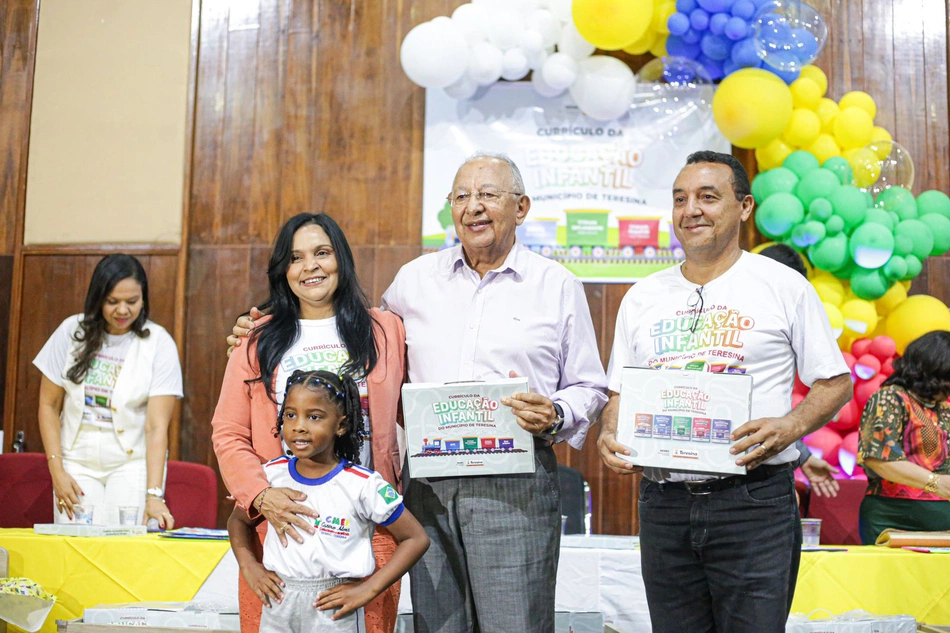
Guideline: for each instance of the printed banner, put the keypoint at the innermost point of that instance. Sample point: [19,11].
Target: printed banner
[682,420]
[601,200]
[462,428]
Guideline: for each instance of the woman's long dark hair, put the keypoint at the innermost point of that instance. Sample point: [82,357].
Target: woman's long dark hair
[924,369]
[110,270]
[350,305]
[344,392]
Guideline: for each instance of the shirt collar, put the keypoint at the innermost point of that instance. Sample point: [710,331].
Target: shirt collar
[516,262]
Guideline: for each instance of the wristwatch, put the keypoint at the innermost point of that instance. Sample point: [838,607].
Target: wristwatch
[158,493]
[555,428]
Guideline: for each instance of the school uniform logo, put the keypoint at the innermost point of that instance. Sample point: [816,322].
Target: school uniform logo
[337,527]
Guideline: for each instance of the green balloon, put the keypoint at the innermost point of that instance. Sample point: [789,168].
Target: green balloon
[830,253]
[933,202]
[801,162]
[834,225]
[846,271]
[939,226]
[778,214]
[818,183]
[894,217]
[869,284]
[898,200]
[895,268]
[778,180]
[919,233]
[879,216]
[903,245]
[806,234]
[914,266]
[871,245]
[841,168]
[820,209]
[850,204]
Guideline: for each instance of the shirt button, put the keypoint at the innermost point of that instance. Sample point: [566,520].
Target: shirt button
[120,430]
[479,291]
[128,452]
[472,326]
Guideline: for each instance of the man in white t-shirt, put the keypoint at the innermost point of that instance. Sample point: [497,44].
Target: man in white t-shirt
[722,554]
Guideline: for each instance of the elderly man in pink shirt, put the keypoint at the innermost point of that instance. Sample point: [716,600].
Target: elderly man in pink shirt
[487,309]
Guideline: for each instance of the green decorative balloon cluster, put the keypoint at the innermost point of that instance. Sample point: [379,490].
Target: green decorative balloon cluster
[873,243]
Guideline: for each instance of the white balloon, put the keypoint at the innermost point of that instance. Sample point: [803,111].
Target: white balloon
[542,88]
[525,7]
[485,63]
[573,43]
[464,88]
[515,65]
[434,54]
[506,29]
[536,60]
[544,22]
[530,42]
[473,20]
[561,9]
[604,87]
[559,71]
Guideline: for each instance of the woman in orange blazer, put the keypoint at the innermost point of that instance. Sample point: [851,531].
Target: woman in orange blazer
[318,319]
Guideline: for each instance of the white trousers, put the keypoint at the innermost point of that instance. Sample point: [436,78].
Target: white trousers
[105,474]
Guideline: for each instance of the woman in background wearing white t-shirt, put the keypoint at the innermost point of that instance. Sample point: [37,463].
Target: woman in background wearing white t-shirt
[110,381]
[319,319]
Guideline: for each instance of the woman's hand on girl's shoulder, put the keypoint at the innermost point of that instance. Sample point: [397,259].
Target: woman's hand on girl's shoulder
[265,584]
[346,597]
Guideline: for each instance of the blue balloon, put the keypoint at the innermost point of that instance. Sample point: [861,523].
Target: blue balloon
[744,54]
[788,76]
[717,23]
[713,66]
[685,6]
[729,67]
[760,3]
[699,19]
[691,36]
[805,45]
[678,23]
[715,6]
[677,47]
[678,74]
[715,47]
[736,29]
[743,9]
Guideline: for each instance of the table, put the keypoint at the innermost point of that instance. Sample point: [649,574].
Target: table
[83,572]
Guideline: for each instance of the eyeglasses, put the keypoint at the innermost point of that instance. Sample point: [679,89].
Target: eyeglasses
[695,303]
[488,198]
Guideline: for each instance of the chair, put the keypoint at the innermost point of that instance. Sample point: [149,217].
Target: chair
[191,493]
[839,515]
[26,496]
[575,500]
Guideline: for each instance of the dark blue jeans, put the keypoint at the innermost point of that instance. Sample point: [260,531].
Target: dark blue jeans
[725,562]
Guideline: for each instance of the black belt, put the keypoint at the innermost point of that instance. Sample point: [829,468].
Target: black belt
[710,486]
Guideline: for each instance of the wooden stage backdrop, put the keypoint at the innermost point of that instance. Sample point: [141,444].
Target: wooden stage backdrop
[301,105]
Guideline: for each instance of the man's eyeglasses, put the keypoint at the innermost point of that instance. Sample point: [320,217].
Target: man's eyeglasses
[488,198]
[695,303]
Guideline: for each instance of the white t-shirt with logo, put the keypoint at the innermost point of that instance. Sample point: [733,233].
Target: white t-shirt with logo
[100,378]
[760,317]
[351,501]
[319,347]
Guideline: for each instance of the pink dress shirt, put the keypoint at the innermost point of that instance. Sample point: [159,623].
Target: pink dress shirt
[529,316]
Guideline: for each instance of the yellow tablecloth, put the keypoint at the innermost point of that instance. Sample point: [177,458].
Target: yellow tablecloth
[82,572]
[876,579]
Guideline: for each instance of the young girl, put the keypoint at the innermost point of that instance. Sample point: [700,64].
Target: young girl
[321,422]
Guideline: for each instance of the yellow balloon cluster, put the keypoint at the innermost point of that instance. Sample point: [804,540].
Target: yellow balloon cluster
[611,25]
[653,40]
[896,315]
[824,128]
[752,107]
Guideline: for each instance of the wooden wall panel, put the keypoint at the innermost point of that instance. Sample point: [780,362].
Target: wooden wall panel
[54,288]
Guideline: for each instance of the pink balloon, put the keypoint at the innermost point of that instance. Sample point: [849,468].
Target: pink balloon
[799,387]
[849,359]
[883,347]
[864,389]
[850,443]
[860,347]
[848,453]
[825,443]
[867,366]
[797,399]
[847,418]
[888,367]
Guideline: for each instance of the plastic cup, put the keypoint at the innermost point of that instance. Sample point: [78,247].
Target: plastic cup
[811,532]
[82,513]
[128,515]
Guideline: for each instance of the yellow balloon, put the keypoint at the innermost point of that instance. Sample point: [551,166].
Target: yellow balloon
[860,317]
[891,299]
[661,15]
[829,288]
[817,75]
[853,127]
[858,99]
[611,25]
[881,138]
[659,47]
[827,110]
[914,317]
[823,148]
[803,128]
[835,318]
[806,93]
[643,44]
[866,166]
[751,107]
[774,153]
